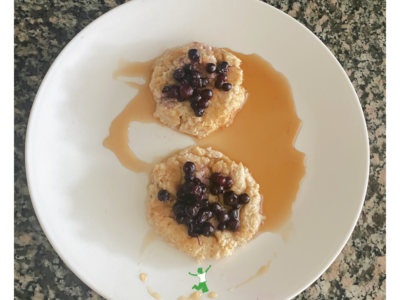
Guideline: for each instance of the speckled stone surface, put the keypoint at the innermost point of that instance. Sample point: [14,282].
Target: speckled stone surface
[354,30]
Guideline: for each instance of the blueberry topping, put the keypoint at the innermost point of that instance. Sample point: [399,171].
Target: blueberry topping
[221,226]
[226,87]
[189,167]
[207,229]
[187,68]
[173,91]
[211,68]
[196,97]
[194,54]
[203,103]
[222,216]
[218,83]
[216,190]
[180,194]
[163,195]
[180,219]
[178,74]
[192,210]
[244,199]
[165,89]
[230,198]
[199,112]
[228,182]
[196,74]
[233,214]
[222,67]
[197,82]
[215,207]
[191,231]
[186,91]
[194,105]
[178,207]
[204,82]
[232,225]
[220,180]
[222,77]
[206,94]
[189,177]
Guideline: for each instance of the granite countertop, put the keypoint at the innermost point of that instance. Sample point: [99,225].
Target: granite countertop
[354,30]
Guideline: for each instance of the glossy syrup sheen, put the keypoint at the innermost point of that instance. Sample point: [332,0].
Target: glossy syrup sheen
[261,136]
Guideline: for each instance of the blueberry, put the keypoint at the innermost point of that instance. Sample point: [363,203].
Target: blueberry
[173,91]
[178,74]
[194,54]
[226,87]
[191,231]
[189,177]
[186,91]
[221,226]
[211,68]
[222,216]
[196,181]
[180,218]
[163,195]
[180,194]
[196,74]
[187,187]
[197,192]
[203,103]
[216,190]
[204,82]
[204,203]
[194,105]
[214,177]
[244,199]
[207,229]
[233,214]
[178,207]
[203,216]
[215,207]
[197,82]
[203,188]
[220,180]
[232,225]
[165,89]
[187,68]
[196,97]
[222,67]
[187,220]
[230,198]
[206,94]
[222,77]
[218,83]
[199,112]
[189,167]
[236,205]
[192,210]
[228,182]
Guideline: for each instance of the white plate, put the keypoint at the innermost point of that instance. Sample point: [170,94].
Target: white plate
[91,208]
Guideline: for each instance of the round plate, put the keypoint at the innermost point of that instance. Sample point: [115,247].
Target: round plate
[91,208]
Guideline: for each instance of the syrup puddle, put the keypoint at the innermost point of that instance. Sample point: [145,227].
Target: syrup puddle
[261,136]
[193,296]
[143,277]
[259,273]
[154,294]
